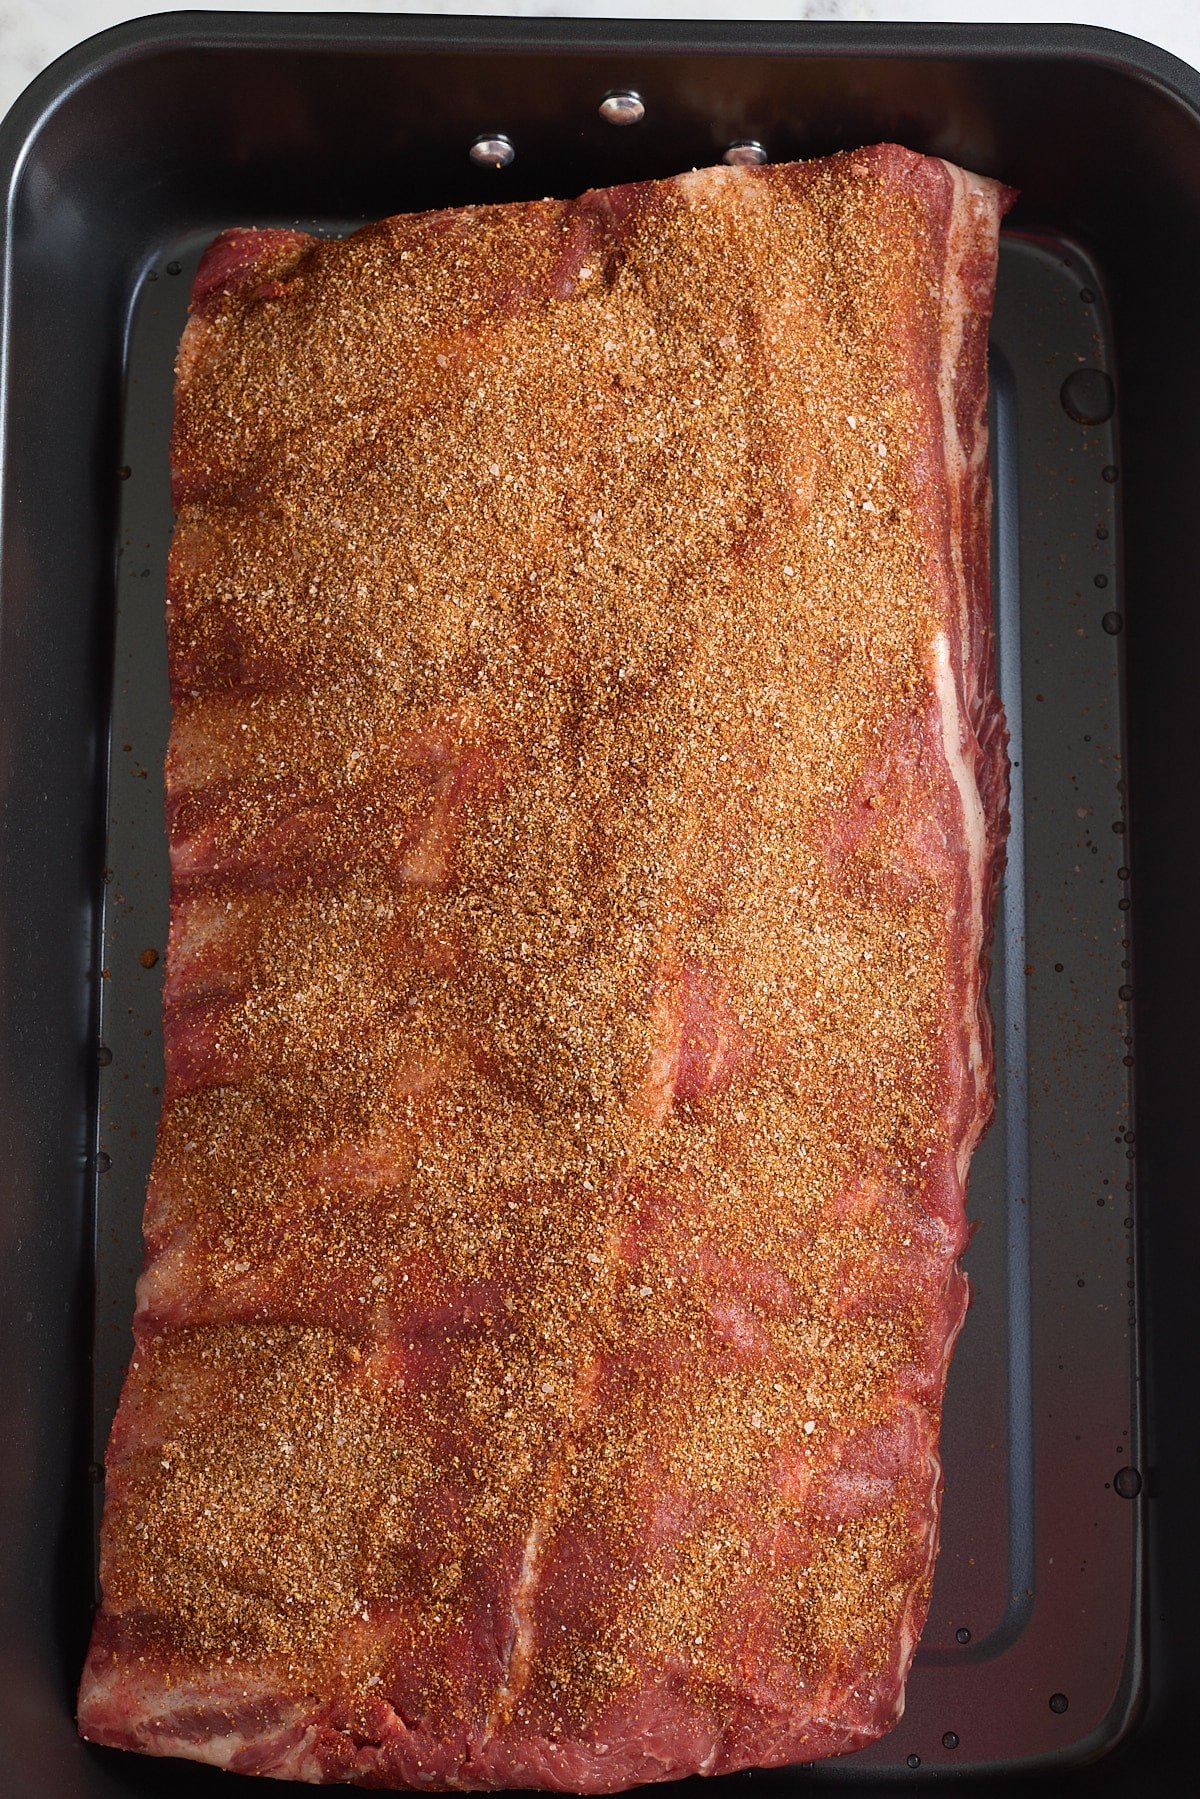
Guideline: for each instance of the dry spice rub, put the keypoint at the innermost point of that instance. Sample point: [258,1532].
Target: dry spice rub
[586,800]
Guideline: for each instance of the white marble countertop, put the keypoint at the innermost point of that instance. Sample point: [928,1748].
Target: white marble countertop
[34,32]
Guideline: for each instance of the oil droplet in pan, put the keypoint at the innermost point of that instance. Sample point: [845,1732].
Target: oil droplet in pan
[1087,396]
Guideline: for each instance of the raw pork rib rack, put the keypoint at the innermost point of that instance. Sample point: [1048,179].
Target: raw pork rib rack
[586,800]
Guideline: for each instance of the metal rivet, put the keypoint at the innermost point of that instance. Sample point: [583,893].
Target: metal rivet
[103,1055]
[962,1634]
[492,150]
[1058,1702]
[102,1161]
[1128,1482]
[623,107]
[912,1761]
[950,1740]
[745,153]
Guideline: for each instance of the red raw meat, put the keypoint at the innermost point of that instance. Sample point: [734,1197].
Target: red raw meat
[586,798]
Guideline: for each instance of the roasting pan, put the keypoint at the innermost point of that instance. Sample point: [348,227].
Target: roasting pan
[1059,1645]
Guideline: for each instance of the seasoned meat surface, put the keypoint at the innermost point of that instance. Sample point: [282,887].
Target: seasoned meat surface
[586,798]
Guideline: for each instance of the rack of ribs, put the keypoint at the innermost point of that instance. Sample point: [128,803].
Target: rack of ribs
[586,798]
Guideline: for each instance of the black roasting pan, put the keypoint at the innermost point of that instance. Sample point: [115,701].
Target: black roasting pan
[1060,1648]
